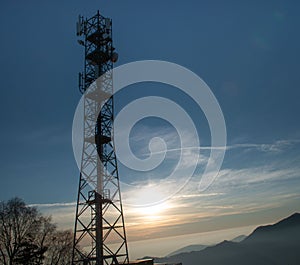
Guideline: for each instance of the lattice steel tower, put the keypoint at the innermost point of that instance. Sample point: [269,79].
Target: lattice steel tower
[99,236]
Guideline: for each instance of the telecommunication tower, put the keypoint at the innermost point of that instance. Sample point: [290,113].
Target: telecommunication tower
[99,236]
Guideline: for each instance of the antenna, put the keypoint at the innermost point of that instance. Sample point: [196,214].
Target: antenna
[79,26]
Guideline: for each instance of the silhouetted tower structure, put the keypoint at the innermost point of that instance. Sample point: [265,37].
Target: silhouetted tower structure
[99,236]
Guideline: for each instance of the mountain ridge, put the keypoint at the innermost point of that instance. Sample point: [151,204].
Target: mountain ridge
[270,244]
[199,247]
[187,249]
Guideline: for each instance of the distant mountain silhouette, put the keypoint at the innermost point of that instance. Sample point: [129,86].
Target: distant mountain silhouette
[188,249]
[191,248]
[238,238]
[277,244]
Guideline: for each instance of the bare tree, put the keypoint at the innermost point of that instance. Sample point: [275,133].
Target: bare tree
[29,238]
[60,249]
[17,222]
[23,232]
[46,233]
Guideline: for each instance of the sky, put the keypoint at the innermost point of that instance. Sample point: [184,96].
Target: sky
[247,52]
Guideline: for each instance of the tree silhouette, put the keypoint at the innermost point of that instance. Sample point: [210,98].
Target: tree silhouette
[28,238]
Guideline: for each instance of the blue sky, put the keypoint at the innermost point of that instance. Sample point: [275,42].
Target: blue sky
[246,51]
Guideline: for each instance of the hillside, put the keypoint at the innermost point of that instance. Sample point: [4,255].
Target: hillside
[238,238]
[188,249]
[199,247]
[271,244]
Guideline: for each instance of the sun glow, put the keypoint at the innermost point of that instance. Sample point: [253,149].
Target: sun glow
[145,206]
[153,211]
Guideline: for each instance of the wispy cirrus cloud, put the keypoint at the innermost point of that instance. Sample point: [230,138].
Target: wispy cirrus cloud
[235,192]
[276,146]
[53,205]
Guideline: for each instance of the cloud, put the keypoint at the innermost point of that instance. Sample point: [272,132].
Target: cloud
[275,147]
[235,192]
[228,178]
[198,195]
[255,175]
[53,205]
[230,195]
[63,214]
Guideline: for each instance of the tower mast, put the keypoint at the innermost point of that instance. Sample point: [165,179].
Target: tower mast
[99,237]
